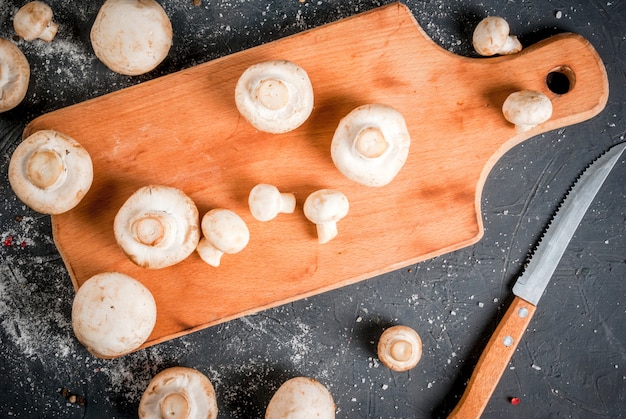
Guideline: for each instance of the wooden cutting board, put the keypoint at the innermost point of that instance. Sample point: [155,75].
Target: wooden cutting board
[183,130]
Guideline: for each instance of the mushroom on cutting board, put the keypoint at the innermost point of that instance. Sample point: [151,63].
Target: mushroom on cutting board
[50,172]
[131,37]
[14,75]
[179,393]
[113,314]
[491,37]
[325,208]
[274,96]
[224,232]
[301,398]
[526,109]
[400,348]
[266,202]
[157,226]
[34,21]
[371,144]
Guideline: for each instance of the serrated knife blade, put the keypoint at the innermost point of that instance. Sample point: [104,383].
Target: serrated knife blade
[530,286]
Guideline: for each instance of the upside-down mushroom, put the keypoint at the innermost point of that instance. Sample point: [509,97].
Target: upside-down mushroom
[50,172]
[371,144]
[34,21]
[157,226]
[325,208]
[526,109]
[14,75]
[179,393]
[113,314]
[274,96]
[224,232]
[400,348]
[491,37]
[131,37]
[301,398]
[266,202]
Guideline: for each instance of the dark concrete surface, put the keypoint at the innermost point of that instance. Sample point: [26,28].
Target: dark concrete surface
[571,362]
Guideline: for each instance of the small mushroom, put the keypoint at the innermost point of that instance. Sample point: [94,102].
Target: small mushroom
[50,172]
[34,21]
[324,208]
[131,37]
[179,393]
[224,232]
[113,314]
[301,398]
[371,144]
[157,226]
[400,348]
[491,37]
[14,75]
[274,96]
[266,202]
[526,109]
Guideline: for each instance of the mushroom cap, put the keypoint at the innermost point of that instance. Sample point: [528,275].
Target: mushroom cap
[400,348]
[113,314]
[177,393]
[50,172]
[14,75]
[274,96]
[225,230]
[371,144]
[326,205]
[266,201]
[34,20]
[491,37]
[131,37]
[301,398]
[527,108]
[157,226]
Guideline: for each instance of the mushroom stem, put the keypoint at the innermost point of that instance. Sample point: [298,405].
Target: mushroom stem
[370,143]
[287,202]
[151,229]
[175,406]
[209,253]
[512,45]
[326,231]
[273,94]
[49,32]
[44,168]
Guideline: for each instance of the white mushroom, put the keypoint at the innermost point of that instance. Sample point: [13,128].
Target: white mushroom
[301,398]
[274,96]
[50,172]
[131,37]
[158,226]
[400,348]
[491,37]
[34,21]
[14,75]
[266,202]
[179,393]
[371,144]
[113,314]
[526,109]
[324,208]
[224,232]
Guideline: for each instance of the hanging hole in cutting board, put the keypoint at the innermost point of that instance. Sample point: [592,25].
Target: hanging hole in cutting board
[561,80]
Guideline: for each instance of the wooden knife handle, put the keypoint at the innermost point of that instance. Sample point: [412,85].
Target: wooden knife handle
[494,360]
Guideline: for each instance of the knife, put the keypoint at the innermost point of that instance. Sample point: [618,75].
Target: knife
[531,284]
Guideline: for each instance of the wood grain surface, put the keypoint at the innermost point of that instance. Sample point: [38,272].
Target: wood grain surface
[183,130]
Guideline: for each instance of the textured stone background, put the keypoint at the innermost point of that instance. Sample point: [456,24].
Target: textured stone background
[571,362]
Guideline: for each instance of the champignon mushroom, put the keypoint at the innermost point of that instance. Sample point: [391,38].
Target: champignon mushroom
[50,172]
[179,393]
[274,96]
[224,232]
[131,37]
[491,37]
[371,144]
[526,109]
[301,398]
[324,208]
[157,226]
[14,75]
[266,202]
[400,348]
[113,314]
[34,21]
